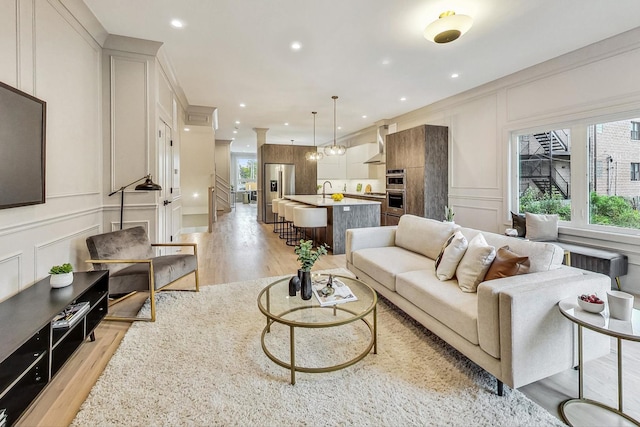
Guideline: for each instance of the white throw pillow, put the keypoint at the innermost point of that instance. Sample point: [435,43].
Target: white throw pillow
[541,227]
[475,263]
[451,256]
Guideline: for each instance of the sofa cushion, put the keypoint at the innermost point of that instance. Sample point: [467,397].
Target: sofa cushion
[543,256]
[442,300]
[166,269]
[451,256]
[475,263]
[519,223]
[542,227]
[385,263]
[422,235]
[507,264]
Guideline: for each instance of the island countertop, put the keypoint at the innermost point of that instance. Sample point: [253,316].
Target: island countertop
[317,200]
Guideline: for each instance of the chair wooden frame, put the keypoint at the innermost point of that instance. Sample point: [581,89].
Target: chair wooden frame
[152,288]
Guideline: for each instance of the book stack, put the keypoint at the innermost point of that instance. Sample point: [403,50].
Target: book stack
[3,417]
[70,315]
[332,291]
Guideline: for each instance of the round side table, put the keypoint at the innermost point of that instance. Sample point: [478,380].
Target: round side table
[583,411]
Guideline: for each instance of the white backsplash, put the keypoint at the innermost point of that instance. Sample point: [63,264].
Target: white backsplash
[350,185]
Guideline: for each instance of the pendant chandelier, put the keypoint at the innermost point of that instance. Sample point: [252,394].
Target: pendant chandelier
[314,155]
[335,149]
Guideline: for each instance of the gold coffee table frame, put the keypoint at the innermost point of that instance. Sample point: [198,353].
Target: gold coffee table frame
[281,290]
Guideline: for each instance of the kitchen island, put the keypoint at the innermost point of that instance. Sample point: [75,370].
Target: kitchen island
[342,215]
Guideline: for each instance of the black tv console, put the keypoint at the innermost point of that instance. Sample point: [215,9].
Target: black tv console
[31,350]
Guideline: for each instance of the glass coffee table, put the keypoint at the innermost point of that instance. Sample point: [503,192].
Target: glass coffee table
[582,411]
[294,312]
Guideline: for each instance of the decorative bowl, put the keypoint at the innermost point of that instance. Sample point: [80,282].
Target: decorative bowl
[590,306]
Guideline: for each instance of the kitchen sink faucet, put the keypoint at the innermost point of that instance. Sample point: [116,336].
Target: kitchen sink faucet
[324,194]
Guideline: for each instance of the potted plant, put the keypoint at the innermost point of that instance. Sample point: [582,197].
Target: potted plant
[448,214]
[61,275]
[307,256]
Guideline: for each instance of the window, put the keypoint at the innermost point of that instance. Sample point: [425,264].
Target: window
[614,191]
[635,130]
[587,172]
[247,173]
[544,173]
[635,171]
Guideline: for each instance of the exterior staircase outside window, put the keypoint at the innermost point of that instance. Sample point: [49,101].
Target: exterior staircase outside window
[545,163]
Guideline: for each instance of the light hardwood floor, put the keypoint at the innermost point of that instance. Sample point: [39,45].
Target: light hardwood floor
[240,248]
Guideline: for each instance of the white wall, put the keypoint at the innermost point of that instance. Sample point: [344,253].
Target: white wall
[50,55]
[197,152]
[597,81]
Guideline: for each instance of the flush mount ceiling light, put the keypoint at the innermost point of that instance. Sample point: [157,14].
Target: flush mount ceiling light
[448,27]
[314,155]
[335,149]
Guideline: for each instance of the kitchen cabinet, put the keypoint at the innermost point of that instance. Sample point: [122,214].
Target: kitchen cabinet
[423,152]
[356,158]
[332,167]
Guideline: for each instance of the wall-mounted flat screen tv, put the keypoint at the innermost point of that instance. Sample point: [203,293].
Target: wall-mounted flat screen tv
[22,148]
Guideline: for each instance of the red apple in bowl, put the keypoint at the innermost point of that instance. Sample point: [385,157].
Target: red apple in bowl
[590,303]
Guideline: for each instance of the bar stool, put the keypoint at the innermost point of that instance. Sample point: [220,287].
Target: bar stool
[292,232]
[310,217]
[281,216]
[274,211]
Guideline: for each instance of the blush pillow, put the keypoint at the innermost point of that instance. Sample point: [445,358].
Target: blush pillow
[541,227]
[451,256]
[506,264]
[475,263]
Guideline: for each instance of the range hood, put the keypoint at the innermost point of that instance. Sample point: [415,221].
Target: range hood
[381,157]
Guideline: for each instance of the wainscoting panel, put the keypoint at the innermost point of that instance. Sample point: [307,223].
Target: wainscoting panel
[573,89]
[10,275]
[475,146]
[70,85]
[56,252]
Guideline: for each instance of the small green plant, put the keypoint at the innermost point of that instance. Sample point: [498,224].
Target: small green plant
[449,214]
[61,269]
[307,256]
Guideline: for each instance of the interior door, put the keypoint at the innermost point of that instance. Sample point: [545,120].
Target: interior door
[166,217]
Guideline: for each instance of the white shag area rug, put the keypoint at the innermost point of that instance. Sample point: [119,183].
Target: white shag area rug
[201,364]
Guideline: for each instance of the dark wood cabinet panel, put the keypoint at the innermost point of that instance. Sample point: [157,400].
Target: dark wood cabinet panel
[306,171]
[423,152]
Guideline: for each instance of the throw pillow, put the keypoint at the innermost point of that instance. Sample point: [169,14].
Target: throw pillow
[519,223]
[447,243]
[506,264]
[451,256]
[475,263]
[541,227]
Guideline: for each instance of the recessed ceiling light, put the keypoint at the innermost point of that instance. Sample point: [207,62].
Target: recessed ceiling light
[187,129]
[339,127]
[404,98]
[296,46]
[364,117]
[286,123]
[176,23]
[248,145]
[455,75]
[237,122]
[195,195]
[233,139]
[386,62]
[235,131]
[242,105]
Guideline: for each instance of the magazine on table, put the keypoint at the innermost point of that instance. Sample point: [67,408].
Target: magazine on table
[70,315]
[331,294]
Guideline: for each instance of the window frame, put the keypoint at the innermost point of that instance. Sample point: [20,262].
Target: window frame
[580,215]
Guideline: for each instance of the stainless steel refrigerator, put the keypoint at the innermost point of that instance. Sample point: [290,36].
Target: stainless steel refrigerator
[279,180]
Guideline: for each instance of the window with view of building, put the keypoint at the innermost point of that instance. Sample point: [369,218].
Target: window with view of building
[635,130]
[602,152]
[614,189]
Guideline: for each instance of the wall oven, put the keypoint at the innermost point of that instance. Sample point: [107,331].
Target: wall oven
[396,179]
[396,203]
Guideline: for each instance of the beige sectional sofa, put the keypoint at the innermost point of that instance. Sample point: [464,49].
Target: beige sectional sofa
[510,327]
